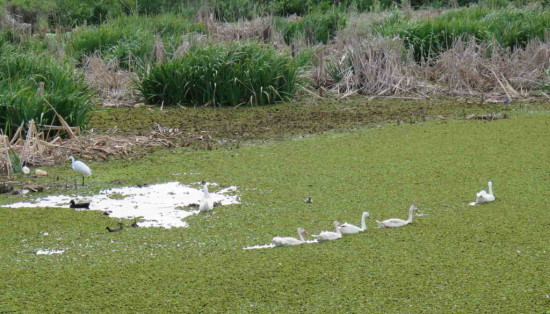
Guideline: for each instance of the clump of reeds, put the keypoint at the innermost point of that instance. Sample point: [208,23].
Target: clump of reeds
[313,28]
[260,29]
[474,67]
[222,75]
[509,27]
[39,87]
[373,66]
[132,39]
[108,79]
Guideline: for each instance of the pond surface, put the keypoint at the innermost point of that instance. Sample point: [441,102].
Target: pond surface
[157,205]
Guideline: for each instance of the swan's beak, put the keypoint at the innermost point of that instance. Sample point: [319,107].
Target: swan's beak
[369,217]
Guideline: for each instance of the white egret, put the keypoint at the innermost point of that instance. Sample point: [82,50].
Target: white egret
[80,167]
[207,203]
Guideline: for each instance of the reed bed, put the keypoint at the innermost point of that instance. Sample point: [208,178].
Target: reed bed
[37,87]
[222,75]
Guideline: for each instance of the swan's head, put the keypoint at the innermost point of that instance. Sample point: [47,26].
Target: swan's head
[71,158]
[413,208]
[302,231]
[367,215]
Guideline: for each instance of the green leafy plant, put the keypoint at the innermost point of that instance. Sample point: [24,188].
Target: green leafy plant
[510,27]
[318,27]
[22,96]
[225,75]
[131,37]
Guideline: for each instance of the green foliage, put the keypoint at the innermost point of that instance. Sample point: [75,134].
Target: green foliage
[318,27]
[545,85]
[131,36]
[20,77]
[387,26]
[225,75]
[15,161]
[510,27]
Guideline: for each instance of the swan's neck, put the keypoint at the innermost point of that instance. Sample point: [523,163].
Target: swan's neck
[490,187]
[410,219]
[363,222]
[336,228]
[301,236]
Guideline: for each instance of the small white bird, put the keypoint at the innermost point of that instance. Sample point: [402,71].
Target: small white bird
[484,197]
[330,235]
[396,222]
[347,228]
[80,167]
[284,241]
[206,204]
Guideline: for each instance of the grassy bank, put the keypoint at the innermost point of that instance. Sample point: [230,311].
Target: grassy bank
[489,258]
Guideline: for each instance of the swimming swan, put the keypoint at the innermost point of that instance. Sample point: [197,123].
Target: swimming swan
[284,241]
[347,228]
[396,222]
[484,197]
[330,235]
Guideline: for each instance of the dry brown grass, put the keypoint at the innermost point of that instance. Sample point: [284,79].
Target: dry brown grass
[112,84]
[19,30]
[371,66]
[474,68]
[381,67]
[37,147]
[260,29]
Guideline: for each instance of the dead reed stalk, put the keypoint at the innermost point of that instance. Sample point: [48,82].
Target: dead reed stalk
[106,77]
[372,66]
[471,67]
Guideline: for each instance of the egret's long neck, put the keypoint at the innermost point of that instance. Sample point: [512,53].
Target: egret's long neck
[410,215]
[363,222]
[490,187]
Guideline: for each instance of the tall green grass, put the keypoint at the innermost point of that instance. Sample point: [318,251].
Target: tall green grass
[317,27]
[20,77]
[131,37]
[224,75]
[509,27]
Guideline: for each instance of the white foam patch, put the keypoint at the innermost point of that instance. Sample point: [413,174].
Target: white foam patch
[157,204]
[49,252]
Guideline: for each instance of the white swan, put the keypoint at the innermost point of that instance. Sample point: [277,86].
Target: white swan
[396,222]
[330,235]
[207,203]
[484,197]
[284,241]
[347,228]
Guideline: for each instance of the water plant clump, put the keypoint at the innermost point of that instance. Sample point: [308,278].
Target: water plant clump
[222,75]
[37,87]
